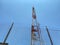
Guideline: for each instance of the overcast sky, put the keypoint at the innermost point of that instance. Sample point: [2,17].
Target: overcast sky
[20,12]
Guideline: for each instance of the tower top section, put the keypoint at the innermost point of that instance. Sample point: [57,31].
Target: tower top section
[33,13]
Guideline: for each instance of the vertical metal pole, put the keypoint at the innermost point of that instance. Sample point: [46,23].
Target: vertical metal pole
[8,33]
[49,36]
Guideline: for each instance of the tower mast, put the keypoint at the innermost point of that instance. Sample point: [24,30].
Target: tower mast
[35,31]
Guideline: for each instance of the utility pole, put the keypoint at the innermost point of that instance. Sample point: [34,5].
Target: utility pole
[49,36]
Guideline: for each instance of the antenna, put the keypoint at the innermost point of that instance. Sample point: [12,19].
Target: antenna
[8,33]
[35,30]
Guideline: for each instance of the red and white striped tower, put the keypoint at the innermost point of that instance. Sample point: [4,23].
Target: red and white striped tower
[35,29]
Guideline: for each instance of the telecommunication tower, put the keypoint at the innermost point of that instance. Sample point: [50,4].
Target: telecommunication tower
[35,30]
